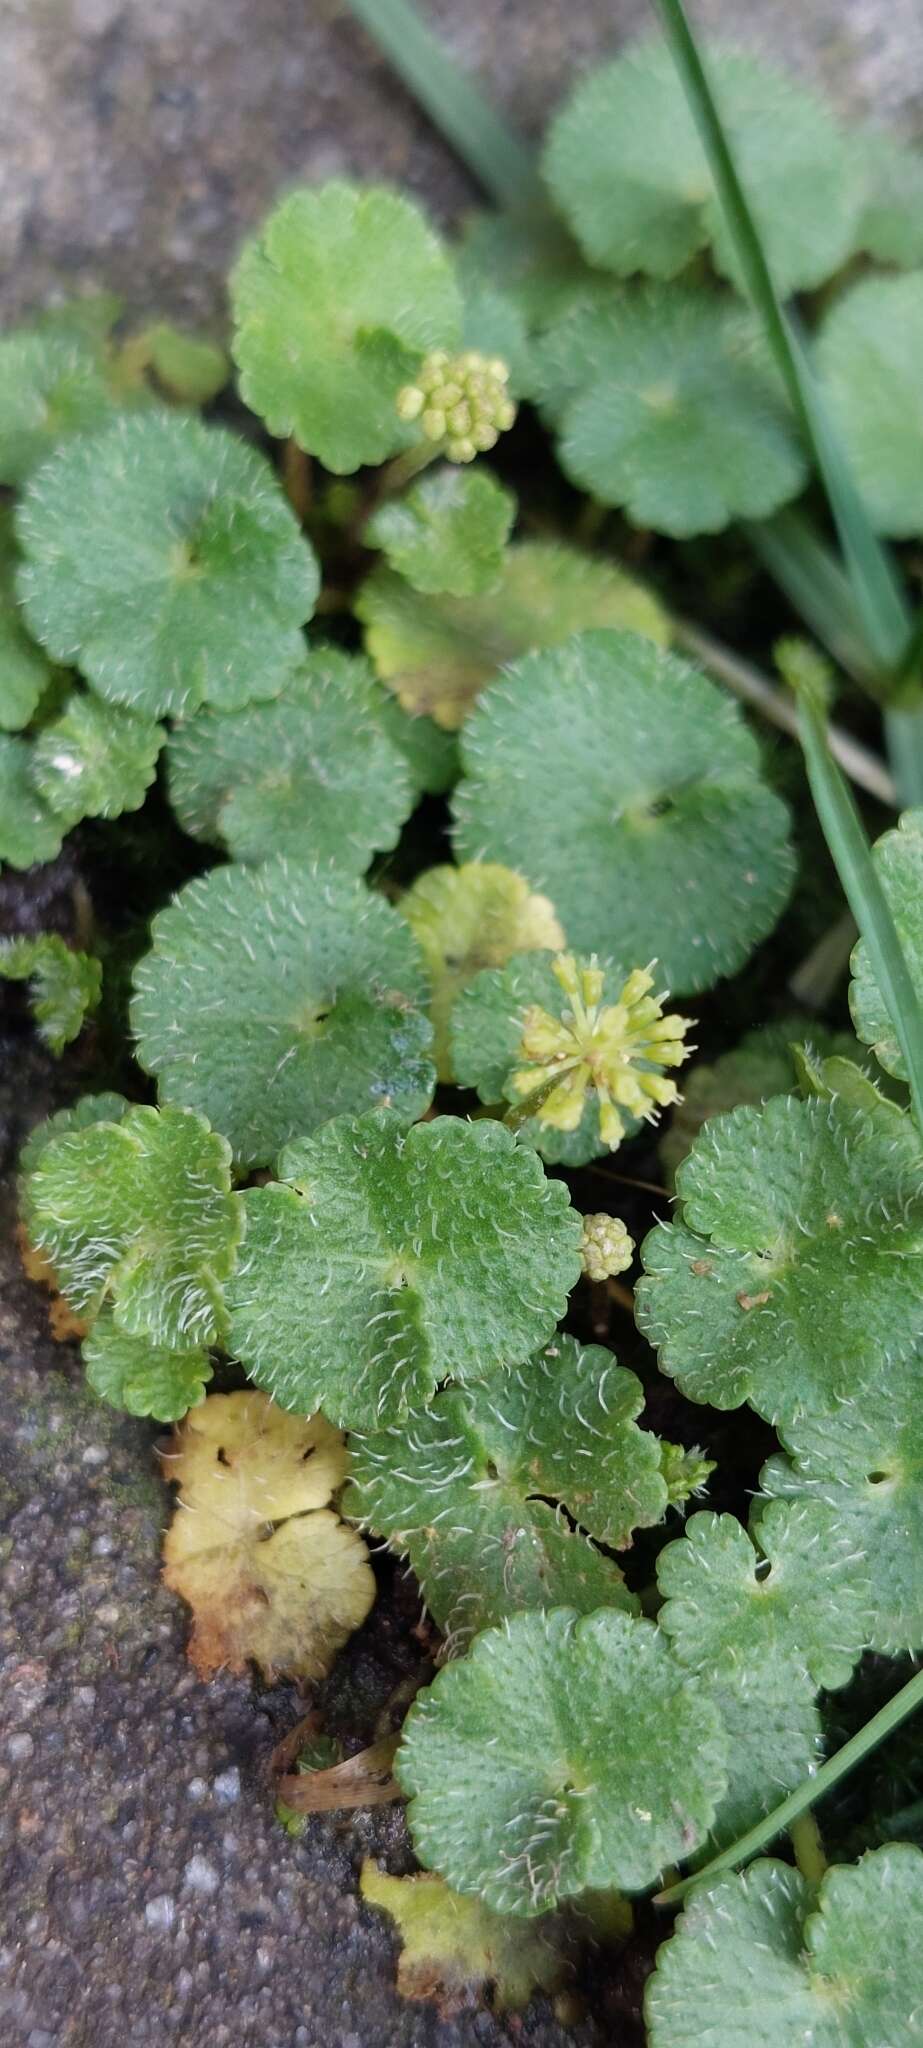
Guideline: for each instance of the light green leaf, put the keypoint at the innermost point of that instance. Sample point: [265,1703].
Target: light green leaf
[485,1039]
[334,302]
[456,1951]
[799,1217]
[542,269]
[629,173]
[65,984]
[646,820]
[106,1108]
[774,1742]
[862,1455]
[868,355]
[471,1488]
[560,1753]
[51,386]
[139,1214]
[744,1609]
[449,532]
[437,657]
[312,774]
[94,761]
[24,669]
[762,1065]
[141,1377]
[468,918]
[675,414]
[396,1258]
[891,222]
[163,557]
[761,1959]
[898,857]
[277,996]
[29,832]
[189,369]
[494,324]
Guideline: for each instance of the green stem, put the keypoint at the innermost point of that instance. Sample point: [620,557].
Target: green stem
[500,161]
[879,598]
[808,1793]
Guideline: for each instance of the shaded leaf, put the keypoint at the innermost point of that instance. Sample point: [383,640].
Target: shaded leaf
[760,1066]
[898,857]
[29,831]
[868,355]
[52,386]
[468,918]
[448,532]
[65,985]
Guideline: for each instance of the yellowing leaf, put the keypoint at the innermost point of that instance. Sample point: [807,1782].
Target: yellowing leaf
[453,1948]
[270,1572]
[468,918]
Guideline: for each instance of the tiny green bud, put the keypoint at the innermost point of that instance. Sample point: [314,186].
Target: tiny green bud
[410,402]
[606,1247]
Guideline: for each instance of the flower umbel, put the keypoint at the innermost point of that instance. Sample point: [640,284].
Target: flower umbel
[461,401]
[606,1247]
[616,1050]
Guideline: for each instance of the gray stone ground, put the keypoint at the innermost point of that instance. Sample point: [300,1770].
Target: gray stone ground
[147,1895]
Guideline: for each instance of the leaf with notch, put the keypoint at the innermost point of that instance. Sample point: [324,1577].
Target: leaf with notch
[796,1217]
[139,1214]
[437,655]
[94,761]
[561,1753]
[312,774]
[394,1258]
[335,300]
[646,821]
[277,996]
[163,557]
[470,1488]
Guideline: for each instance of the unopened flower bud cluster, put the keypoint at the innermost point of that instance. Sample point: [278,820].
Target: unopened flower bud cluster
[462,401]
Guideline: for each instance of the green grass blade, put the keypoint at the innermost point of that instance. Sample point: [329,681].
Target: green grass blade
[807,1794]
[849,848]
[879,598]
[501,162]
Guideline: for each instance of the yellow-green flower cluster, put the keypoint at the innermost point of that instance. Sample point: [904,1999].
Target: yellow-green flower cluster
[460,400]
[617,1050]
[605,1248]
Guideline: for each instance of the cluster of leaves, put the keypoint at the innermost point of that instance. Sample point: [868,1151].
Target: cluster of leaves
[291,1203]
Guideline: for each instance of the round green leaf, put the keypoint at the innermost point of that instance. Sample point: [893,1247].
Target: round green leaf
[141,1377]
[761,1959]
[898,857]
[437,657]
[626,785]
[163,557]
[334,302]
[65,984]
[674,414]
[277,996]
[862,1455]
[94,761]
[29,832]
[51,386]
[397,1258]
[745,1608]
[540,265]
[762,1065]
[559,1754]
[891,223]
[797,1218]
[312,774]
[627,168]
[868,355]
[774,1742]
[470,1489]
[448,532]
[139,1214]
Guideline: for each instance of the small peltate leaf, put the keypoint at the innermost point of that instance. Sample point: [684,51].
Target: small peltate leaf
[270,1572]
[396,1258]
[164,559]
[628,170]
[334,302]
[437,657]
[761,1959]
[65,985]
[455,1950]
[141,1377]
[448,533]
[862,1456]
[799,1217]
[139,1214]
[868,356]
[468,1488]
[94,761]
[898,856]
[646,821]
[560,1753]
[51,386]
[29,831]
[468,918]
[313,774]
[277,996]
